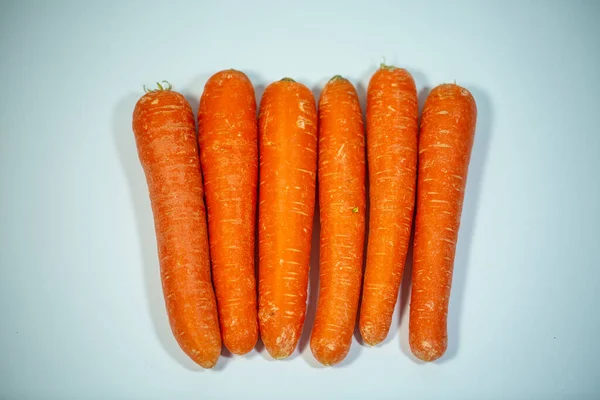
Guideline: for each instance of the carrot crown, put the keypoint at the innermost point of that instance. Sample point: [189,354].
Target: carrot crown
[286,79]
[337,78]
[383,65]
[167,86]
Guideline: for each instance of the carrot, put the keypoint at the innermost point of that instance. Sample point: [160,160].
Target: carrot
[163,124]
[392,130]
[288,164]
[342,204]
[447,131]
[227,135]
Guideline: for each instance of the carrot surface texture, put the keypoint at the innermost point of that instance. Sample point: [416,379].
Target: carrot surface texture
[163,124]
[392,130]
[342,201]
[446,139]
[227,135]
[288,164]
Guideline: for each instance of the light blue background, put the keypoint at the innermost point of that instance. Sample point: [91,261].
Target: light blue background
[81,311]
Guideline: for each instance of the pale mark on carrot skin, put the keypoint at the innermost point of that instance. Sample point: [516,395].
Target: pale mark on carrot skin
[300,212]
[233,221]
[304,170]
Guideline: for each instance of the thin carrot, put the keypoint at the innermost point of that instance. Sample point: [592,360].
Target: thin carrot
[392,129]
[342,204]
[288,163]
[447,132]
[163,124]
[227,135]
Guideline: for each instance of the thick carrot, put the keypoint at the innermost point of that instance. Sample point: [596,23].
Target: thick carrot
[447,132]
[288,164]
[392,129]
[342,213]
[227,134]
[163,124]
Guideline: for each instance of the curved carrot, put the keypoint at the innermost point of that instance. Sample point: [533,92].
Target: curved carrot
[392,129]
[342,204]
[163,124]
[447,132]
[227,135]
[288,163]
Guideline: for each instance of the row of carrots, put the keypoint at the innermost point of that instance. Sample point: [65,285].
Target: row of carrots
[237,163]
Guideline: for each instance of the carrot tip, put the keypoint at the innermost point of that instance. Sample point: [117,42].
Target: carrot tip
[372,343]
[286,79]
[427,350]
[369,337]
[337,78]
[355,209]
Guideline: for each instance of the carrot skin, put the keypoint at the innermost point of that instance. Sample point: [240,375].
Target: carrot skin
[342,200]
[227,136]
[392,135]
[287,169]
[163,124]
[447,133]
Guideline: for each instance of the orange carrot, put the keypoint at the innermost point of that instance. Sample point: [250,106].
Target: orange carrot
[227,135]
[447,132]
[288,164]
[392,129]
[342,204]
[163,124]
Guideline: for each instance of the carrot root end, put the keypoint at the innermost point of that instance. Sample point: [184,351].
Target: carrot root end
[427,351]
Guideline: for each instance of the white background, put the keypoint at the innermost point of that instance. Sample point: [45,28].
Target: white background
[81,310]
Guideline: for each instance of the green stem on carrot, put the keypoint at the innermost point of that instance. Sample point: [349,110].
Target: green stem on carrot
[166,87]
